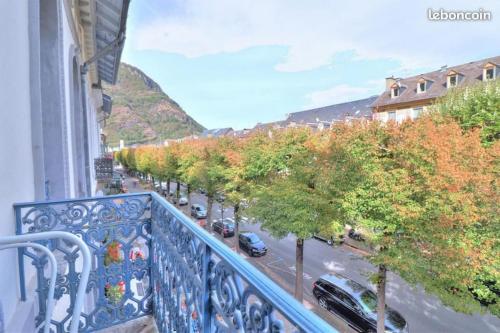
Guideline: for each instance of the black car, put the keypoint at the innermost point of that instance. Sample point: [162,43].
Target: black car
[224,227]
[355,304]
[252,244]
[356,235]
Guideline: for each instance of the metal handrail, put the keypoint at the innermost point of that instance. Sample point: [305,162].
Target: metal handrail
[28,239]
[268,291]
[288,306]
[53,277]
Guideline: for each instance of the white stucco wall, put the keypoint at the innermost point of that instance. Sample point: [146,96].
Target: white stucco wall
[16,159]
[68,43]
[401,114]
[92,104]
[17,164]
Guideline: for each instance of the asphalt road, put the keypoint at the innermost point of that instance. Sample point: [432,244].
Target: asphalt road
[423,312]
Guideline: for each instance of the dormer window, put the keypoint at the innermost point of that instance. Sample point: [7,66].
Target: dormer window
[421,86]
[395,91]
[489,72]
[452,79]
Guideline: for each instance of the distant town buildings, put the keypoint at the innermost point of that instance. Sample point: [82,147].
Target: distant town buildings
[272,125]
[241,133]
[322,118]
[325,116]
[216,132]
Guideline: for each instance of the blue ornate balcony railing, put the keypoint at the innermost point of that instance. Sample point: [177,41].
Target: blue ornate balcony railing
[150,259]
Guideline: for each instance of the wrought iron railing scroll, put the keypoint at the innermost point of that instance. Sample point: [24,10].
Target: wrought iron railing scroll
[150,258]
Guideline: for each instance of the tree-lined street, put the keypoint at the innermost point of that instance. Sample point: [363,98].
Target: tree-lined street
[425,208]
[425,313]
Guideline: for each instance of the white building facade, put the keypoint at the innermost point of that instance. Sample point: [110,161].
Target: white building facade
[53,56]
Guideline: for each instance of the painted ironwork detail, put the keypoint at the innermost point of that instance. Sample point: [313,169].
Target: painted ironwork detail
[117,231]
[194,289]
[150,259]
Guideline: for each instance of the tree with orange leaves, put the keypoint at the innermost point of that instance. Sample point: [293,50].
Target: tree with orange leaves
[207,170]
[425,195]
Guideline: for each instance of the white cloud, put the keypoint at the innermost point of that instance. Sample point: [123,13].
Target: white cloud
[315,30]
[342,93]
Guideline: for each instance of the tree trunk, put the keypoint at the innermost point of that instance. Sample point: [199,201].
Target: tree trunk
[382,278]
[210,202]
[299,272]
[177,193]
[237,226]
[188,194]
[168,188]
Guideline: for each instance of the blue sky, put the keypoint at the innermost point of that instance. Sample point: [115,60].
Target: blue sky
[235,63]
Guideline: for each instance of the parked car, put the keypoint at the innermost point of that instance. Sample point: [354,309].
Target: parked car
[356,235]
[183,201]
[252,244]
[116,181]
[220,197]
[330,239]
[355,304]
[198,211]
[224,227]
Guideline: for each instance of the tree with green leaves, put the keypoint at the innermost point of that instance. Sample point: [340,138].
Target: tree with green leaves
[236,187]
[426,204]
[475,106]
[286,197]
[172,165]
[190,154]
[209,172]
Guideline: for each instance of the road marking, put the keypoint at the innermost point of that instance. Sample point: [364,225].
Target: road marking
[305,275]
[274,262]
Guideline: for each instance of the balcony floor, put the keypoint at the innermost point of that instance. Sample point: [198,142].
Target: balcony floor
[141,325]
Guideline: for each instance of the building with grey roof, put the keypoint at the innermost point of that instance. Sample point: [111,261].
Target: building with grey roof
[406,98]
[358,109]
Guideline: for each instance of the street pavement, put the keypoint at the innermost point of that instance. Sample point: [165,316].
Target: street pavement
[423,312]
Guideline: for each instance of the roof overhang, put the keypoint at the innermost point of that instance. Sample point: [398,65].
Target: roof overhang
[490,65]
[453,73]
[105,23]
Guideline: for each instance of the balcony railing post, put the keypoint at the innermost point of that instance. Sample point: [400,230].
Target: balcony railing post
[20,256]
[207,318]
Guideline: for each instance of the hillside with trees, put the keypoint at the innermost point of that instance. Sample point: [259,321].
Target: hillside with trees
[143,113]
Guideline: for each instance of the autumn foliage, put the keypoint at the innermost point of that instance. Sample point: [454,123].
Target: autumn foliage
[425,191]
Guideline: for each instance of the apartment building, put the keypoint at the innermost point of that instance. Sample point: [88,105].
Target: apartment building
[407,98]
[54,55]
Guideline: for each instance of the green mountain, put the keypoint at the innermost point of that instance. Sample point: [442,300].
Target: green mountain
[143,113]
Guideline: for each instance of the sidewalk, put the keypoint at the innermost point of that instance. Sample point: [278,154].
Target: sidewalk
[129,184]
